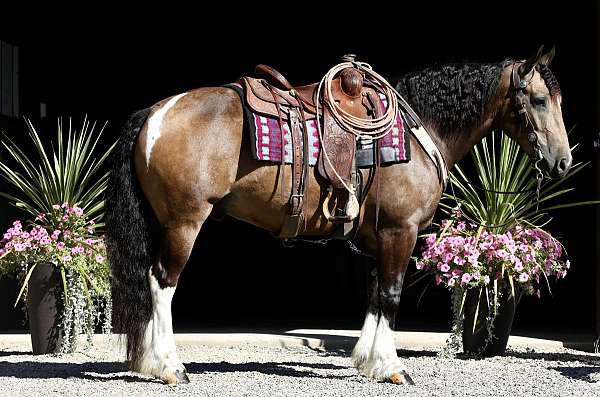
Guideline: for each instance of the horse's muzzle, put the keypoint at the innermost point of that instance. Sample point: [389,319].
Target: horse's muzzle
[561,167]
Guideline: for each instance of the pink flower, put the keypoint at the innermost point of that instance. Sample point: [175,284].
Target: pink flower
[60,245]
[501,254]
[477,276]
[466,278]
[518,266]
[45,241]
[456,273]
[19,247]
[444,268]
[430,240]
[451,282]
[78,211]
[99,258]
[56,206]
[419,265]
[67,258]
[459,261]
[76,250]
[523,277]
[7,236]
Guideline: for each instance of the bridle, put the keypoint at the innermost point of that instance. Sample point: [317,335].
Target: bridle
[520,89]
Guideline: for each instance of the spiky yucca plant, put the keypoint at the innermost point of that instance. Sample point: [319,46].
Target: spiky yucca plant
[506,191]
[69,173]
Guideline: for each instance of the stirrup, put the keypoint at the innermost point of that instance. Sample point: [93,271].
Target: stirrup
[351,211]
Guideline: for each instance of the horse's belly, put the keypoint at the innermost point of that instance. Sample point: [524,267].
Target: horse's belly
[258,198]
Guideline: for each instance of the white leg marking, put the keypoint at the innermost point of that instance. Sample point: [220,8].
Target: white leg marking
[362,350]
[160,356]
[383,361]
[154,123]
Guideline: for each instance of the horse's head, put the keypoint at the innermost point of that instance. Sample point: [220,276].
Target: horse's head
[538,124]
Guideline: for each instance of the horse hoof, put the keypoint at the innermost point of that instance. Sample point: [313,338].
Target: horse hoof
[182,377]
[175,378]
[401,378]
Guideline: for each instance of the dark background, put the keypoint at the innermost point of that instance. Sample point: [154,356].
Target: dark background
[238,275]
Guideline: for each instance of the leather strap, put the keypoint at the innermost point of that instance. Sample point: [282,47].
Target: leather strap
[424,139]
[297,195]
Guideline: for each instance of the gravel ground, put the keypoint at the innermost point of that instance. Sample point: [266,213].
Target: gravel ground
[300,371]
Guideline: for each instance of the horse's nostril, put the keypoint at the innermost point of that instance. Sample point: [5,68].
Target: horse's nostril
[563,165]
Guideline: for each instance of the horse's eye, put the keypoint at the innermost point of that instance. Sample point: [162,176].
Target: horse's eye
[539,101]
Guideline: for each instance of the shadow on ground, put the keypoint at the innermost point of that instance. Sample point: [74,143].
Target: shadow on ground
[118,370]
[49,370]
[269,368]
[585,373]
[533,355]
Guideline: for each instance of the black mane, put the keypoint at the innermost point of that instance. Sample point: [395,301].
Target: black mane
[454,96]
[550,80]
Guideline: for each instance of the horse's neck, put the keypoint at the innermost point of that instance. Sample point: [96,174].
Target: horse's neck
[453,149]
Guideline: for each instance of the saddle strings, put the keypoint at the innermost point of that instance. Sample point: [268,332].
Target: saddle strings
[374,128]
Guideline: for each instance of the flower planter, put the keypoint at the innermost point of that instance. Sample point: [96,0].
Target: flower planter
[476,342]
[44,308]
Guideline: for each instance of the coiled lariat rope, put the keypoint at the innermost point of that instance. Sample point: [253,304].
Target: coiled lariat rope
[374,128]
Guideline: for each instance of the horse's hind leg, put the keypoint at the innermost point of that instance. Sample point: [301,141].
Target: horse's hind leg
[160,356]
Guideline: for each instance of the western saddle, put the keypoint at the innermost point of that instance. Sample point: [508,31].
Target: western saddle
[347,96]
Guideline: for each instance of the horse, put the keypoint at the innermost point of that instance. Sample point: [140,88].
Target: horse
[186,156]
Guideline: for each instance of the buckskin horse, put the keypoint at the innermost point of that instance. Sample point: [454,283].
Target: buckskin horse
[186,156]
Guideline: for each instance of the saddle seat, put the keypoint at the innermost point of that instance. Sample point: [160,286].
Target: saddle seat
[261,99]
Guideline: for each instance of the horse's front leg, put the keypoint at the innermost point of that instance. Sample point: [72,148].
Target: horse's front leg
[395,246]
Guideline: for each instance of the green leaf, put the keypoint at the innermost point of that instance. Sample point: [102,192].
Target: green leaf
[476,311]
[65,288]
[25,281]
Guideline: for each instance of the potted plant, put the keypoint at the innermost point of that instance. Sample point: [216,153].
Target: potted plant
[493,248]
[58,256]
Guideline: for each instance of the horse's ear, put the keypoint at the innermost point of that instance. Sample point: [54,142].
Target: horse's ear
[528,66]
[548,57]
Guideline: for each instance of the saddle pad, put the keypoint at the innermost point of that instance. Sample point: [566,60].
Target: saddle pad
[265,138]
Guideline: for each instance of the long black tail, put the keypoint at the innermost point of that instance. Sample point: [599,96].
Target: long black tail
[130,232]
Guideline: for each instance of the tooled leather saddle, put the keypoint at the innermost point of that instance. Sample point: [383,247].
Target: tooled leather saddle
[271,94]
